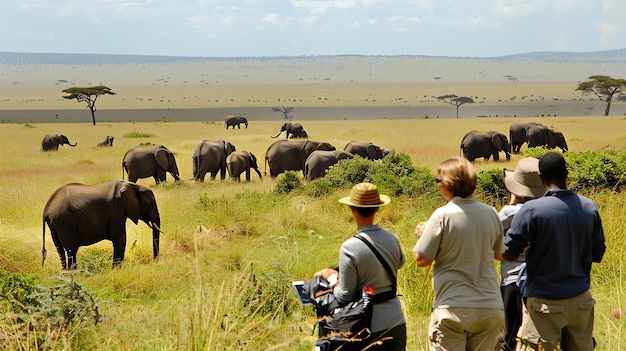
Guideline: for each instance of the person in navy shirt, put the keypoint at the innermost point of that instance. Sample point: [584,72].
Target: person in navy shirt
[562,232]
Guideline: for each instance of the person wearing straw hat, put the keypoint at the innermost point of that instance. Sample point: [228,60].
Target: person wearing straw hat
[523,184]
[460,240]
[561,234]
[359,267]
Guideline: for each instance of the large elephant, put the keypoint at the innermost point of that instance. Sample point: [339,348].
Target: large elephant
[366,150]
[154,161]
[292,130]
[242,161]
[108,141]
[80,215]
[518,134]
[51,142]
[286,155]
[541,135]
[319,161]
[210,156]
[477,144]
[232,120]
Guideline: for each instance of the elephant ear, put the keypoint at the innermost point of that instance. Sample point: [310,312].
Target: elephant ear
[372,151]
[129,195]
[497,141]
[161,158]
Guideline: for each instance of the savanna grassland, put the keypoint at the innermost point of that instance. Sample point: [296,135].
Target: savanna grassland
[230,250]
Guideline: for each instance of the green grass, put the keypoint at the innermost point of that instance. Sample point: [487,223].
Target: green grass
[230,250]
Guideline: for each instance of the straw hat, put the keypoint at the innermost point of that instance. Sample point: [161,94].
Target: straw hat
[365,195]
[525,180]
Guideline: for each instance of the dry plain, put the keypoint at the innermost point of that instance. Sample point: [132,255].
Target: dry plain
[214,229]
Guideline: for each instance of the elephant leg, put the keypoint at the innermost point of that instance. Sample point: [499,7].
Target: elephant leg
[248,174]
[223,172]
[62,257]
[119,247]
[214,174]
[71,258]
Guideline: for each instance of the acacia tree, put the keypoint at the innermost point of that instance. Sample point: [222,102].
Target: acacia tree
[285,111]
[88,95]
[604,87]
[455,101]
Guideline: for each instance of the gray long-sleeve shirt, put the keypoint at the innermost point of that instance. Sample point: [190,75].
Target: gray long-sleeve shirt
[359,267]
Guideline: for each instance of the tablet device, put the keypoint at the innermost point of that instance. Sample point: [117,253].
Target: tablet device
[299,287]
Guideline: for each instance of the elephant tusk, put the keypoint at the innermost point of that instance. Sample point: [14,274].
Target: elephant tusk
[154,226]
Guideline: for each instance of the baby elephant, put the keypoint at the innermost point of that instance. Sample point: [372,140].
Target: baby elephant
[108,141]
[238,162]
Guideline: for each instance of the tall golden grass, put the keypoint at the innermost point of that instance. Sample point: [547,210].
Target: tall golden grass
[226,241]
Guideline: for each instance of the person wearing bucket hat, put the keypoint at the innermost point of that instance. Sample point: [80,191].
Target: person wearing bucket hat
[523,184]
[461,240]
[359,267]
[561,234]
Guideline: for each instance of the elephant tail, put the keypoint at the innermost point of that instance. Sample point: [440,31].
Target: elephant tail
[43,247]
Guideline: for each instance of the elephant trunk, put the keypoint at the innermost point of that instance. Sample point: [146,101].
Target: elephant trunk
[70,144]
[258,172]
[278,134]
[156,231]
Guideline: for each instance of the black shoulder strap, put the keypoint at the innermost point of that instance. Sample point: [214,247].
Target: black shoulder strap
[389,294]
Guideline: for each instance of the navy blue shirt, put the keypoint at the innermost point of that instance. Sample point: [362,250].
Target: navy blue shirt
[565,234]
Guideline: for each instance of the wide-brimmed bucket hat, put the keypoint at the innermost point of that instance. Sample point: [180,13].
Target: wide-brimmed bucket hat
[365,195]
[524,180]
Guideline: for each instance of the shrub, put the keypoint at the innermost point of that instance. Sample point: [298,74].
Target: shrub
[136,134]
[592,171]
[42,315]
[490,187]
[287,181]
[395,175]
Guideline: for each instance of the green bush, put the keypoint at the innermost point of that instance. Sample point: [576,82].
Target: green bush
[287,182]
[490,187]
[44,315]
[592,171]
[135,134]
[395,175]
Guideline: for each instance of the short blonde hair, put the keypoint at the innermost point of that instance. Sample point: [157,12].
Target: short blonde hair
[458,176]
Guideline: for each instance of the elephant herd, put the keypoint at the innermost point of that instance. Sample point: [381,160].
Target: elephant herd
[476,144]
[81,215]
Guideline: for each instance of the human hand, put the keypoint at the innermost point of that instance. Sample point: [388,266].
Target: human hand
[419,229]
[326,273]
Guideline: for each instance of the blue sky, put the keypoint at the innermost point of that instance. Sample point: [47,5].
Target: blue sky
[223,28]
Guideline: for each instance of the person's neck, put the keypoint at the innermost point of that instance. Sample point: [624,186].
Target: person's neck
[364,221]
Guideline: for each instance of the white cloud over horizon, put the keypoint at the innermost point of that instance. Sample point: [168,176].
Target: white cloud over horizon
[480,28]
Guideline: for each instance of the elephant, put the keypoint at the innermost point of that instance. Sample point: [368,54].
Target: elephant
[108,141]
[232,120]
[51,142]
[518,134]
[239,161]
[81,215]
[319,161]
[477,144]
[295,129]
[286,155]
[152,161]
[366,150]
[210,156]
[541,135]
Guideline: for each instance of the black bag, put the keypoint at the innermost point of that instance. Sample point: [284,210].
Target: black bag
[347,328]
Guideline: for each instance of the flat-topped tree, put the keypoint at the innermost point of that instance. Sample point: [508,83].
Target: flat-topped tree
[456,101]
[604,87]
[88,95]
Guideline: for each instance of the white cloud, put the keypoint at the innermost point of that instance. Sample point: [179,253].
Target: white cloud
[607,32]
[481,22]
[198,21]
[228,20]
[404,19]
[271,18]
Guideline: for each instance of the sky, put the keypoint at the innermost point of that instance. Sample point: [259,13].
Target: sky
[253,28]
